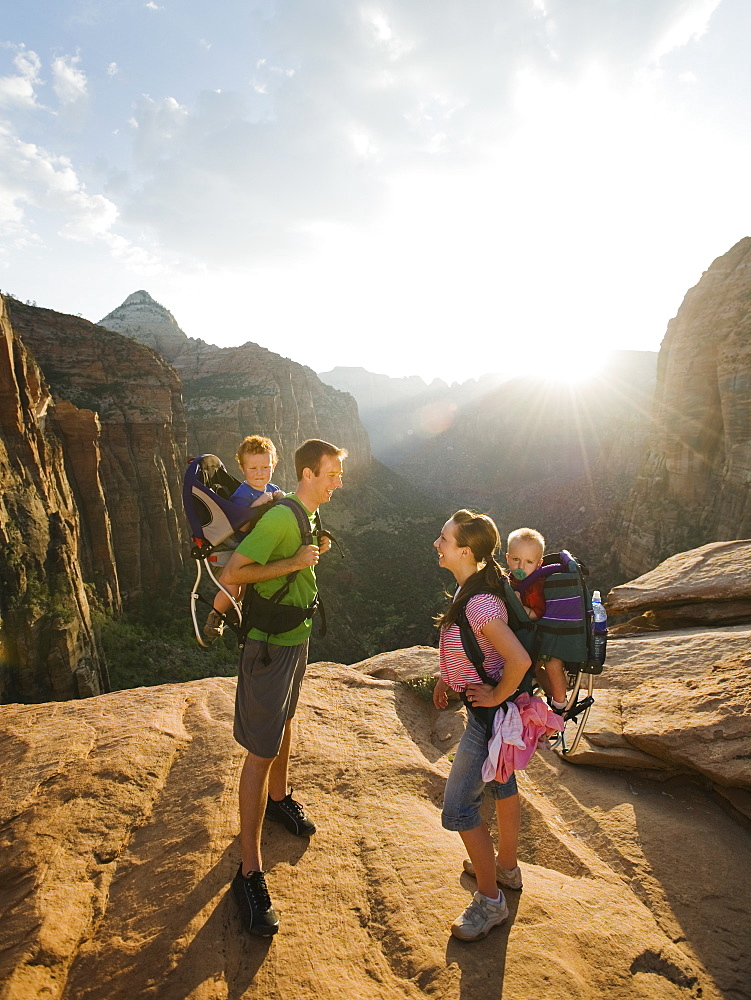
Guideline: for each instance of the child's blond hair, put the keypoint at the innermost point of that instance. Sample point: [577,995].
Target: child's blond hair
[526,535]
[255,444]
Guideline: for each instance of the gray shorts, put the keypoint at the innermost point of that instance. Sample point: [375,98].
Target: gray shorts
[267,695]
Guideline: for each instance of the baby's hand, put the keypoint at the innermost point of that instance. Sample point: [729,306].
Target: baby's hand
[264,498]
[278,495]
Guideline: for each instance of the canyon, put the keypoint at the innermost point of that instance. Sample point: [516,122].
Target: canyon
[119,807]
[97,428]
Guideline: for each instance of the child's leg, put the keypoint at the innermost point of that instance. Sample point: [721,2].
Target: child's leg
[542,677]
[222,603]
[556,676]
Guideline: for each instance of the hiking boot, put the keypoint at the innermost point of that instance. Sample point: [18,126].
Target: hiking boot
[291,814]
[506,878]
[258,915]
[481,916]
[214,626]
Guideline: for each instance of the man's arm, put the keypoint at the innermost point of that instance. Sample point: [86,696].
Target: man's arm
[240,569]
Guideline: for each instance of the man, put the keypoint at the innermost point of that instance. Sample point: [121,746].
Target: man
[271,671]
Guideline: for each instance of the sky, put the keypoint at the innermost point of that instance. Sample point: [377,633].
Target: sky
[432,187]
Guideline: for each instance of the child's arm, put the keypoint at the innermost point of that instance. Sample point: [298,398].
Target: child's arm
[265,498]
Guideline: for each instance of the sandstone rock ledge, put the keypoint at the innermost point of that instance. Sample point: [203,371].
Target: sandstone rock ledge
[119,825]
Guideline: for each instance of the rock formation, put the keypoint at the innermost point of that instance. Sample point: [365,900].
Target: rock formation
[120,822]
[125,452]
[48,649]
[233,391]
[695,485]
[710,585]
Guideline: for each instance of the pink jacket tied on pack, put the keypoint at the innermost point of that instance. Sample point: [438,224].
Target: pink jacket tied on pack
[516,733]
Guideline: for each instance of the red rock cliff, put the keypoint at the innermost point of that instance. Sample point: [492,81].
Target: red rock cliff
[124,436]
[46,640]
[695,484]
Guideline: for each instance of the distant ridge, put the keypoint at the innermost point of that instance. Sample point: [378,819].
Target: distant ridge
[400,413]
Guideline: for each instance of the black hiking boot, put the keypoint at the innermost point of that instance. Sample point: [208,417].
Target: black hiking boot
[291,814]
[258,915]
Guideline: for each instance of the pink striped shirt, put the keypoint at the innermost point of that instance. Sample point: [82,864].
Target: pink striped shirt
[456,670]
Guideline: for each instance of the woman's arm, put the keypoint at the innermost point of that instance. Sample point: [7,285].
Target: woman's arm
[516,663]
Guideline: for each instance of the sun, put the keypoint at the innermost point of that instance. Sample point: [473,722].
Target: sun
[569,367]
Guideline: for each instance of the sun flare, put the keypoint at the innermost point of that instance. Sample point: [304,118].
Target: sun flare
[568,367]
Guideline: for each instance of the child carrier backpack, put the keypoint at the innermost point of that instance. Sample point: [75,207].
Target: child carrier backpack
[566,628]
[565,631]
[214,518]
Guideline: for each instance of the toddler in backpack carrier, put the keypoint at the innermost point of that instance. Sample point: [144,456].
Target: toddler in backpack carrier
[555,597]
[525,551]
[257,458]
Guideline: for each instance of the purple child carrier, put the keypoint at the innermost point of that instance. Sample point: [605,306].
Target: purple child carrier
[565,630]
[213,518]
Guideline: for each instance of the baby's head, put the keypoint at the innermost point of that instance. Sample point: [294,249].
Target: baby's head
[525,550]
[257,459]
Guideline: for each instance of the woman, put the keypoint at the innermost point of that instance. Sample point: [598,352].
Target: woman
[466,548]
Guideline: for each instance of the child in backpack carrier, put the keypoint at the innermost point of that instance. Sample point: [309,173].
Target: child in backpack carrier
[525,549]
[257,458]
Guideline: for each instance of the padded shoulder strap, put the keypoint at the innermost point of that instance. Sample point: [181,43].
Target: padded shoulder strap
[303,521]
[471,646]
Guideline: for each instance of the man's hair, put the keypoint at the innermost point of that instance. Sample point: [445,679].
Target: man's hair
[526,535]
[310,453]
[255,444]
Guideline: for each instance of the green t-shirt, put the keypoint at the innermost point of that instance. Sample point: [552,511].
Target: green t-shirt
[277,536]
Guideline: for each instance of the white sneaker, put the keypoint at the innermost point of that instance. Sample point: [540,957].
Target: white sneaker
[506,878]
[480,917]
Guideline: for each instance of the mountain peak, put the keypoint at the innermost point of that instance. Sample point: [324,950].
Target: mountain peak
[142,318]
[141,297]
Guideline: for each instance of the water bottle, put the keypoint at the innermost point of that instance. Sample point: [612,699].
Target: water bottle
[600,617]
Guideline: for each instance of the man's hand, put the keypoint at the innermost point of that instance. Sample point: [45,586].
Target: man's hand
[306,555]
[440,694]
[324,544]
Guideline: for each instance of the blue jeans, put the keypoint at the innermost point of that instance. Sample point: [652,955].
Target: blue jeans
[465,787]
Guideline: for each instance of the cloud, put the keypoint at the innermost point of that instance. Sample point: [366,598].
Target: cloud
[19,90]
[69,82]
[342,101]
[34,179]
[345,98]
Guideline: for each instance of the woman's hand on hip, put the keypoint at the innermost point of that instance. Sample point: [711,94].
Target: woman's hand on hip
[482,695]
